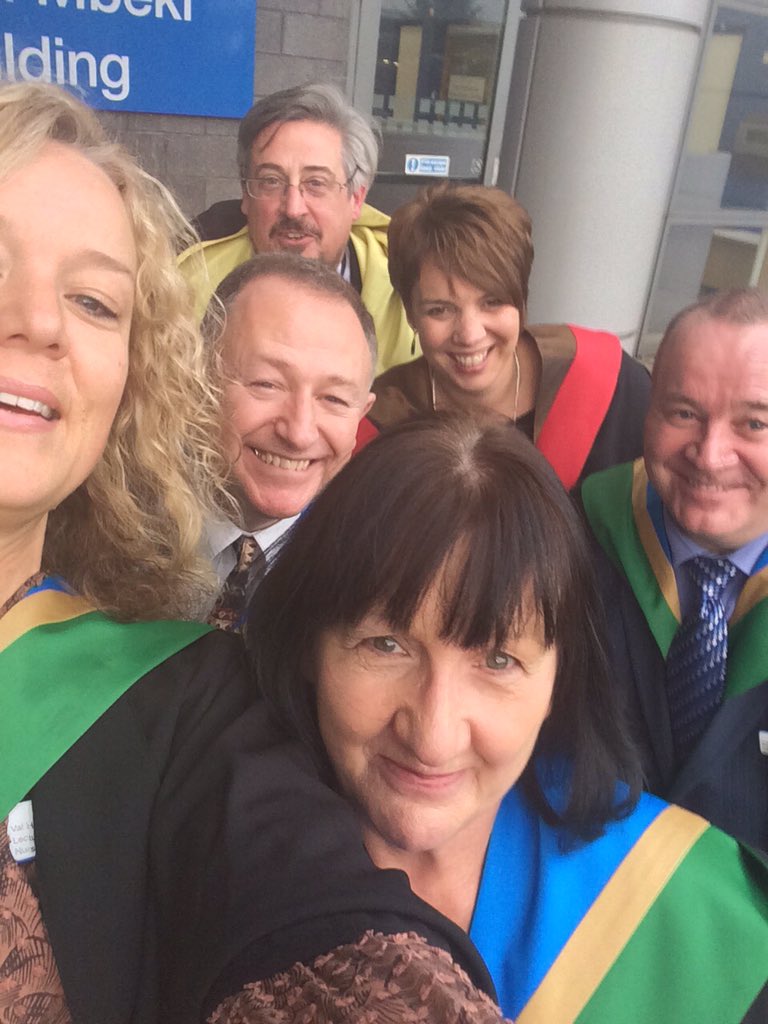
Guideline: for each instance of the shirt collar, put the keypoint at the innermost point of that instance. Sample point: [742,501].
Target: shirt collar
[266,538]
[343,269]
[220,533]
[683,548]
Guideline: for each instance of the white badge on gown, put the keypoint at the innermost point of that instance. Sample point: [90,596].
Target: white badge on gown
[21,832]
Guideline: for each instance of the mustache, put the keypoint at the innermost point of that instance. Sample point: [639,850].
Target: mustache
[297,224]
[715,481]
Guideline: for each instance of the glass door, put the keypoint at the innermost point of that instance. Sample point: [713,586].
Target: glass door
[438,85]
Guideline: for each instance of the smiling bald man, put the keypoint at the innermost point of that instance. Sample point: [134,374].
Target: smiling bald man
[687,530]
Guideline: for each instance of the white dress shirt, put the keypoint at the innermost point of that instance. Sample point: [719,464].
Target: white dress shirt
[221,534]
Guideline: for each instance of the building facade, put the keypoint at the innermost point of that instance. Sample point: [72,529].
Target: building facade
[634,131]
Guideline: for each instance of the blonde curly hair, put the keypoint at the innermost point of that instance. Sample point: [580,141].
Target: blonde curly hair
[128,538]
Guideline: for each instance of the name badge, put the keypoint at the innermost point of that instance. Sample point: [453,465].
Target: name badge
[21,832]
[762,738]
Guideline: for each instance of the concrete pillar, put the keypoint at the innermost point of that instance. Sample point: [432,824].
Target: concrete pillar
[608,86]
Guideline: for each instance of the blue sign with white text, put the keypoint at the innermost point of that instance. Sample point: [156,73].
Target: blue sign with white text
[153,56]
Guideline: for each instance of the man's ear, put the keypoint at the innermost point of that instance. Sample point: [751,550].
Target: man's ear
[358,198]
[368,403]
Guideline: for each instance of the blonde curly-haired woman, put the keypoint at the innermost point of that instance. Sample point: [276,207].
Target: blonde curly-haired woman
[111,772]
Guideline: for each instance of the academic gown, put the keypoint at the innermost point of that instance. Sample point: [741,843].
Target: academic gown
[590,406]
[725,779]
[661,920]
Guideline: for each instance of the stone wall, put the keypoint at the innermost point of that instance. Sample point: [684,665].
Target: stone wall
[296,41]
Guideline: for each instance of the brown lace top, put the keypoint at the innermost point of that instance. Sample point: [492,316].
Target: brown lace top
[30,987]
[382,979]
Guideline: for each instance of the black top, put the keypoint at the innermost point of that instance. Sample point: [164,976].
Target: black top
[405,390]
[220,220]
[288,876]
[183,850]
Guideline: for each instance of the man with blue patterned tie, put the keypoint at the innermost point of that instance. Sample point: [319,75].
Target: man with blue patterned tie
[687,529]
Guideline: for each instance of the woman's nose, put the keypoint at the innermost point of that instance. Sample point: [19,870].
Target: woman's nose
[431,723]
[470,327]
[31,313]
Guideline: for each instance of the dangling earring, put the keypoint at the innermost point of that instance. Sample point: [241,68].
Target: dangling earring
[414,343]
[517,385]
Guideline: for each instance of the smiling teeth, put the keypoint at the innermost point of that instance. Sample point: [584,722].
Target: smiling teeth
[281,462]
[27,405]
[710,485]
[467,362]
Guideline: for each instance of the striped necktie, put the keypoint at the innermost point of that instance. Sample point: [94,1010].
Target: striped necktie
[231,606]
[698,655]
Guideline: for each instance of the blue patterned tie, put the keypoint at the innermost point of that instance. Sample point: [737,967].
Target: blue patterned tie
[698,654]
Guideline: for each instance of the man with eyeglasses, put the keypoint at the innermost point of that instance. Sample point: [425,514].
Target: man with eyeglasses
[306,160]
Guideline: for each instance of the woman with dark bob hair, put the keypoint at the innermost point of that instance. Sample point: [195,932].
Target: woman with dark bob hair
[431,631]
[460,258]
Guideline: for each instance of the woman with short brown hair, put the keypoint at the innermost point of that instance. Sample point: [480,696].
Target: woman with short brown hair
[460,257]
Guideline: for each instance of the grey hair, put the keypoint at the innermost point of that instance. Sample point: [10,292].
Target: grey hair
[311,274]
[325,104]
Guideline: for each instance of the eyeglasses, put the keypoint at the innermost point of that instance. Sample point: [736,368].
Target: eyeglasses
[275,186]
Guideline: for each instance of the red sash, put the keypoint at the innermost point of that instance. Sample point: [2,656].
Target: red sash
[581,403]
[578,409]
[366,432]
